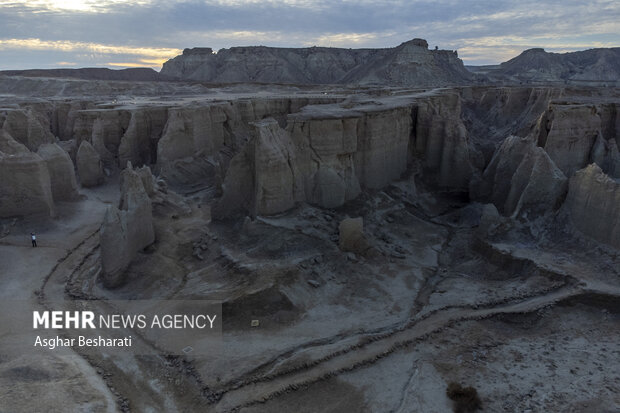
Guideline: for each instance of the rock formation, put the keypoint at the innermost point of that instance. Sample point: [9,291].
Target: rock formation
[25,186]
[605,154]
[89,165]
[27,127]
[351,236]
[569,134]
[139,143]
[323,157]
[537,186]
[263,178]
[410,63]
[126,230]
[593,204]
[61,171]
[494,185]
[441,140]
[593,66]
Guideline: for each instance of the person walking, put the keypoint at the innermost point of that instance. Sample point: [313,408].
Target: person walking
[34,239]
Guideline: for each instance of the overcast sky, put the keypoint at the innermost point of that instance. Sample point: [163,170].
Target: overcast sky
[122,33]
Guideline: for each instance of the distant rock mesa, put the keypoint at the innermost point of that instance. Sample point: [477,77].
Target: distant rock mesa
[410,63]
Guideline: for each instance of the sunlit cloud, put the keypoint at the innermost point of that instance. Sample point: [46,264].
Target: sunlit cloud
[91,6]
[343,39]
[128,32]
[142,56]
[70,46]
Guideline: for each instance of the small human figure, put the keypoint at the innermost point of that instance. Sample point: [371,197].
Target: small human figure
[34,239]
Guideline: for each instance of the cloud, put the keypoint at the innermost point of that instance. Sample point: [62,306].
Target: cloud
[38,44]
[91,6]
[140,56]
[482,30]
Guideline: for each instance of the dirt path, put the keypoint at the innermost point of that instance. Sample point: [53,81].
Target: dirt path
[371,349]
[141,383]
[76,384]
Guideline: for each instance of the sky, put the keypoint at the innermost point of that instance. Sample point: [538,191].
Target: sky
[146,33]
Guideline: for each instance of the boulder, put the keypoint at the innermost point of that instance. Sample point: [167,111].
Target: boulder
[89,165]
[490,220]
[351,236]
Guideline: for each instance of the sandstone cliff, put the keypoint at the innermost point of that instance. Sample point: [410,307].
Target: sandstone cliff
[25,185]
[26,126]
[325,156]
[61,170]
[126,230]
[589,66]
[537,186]
[410,63]
[593,204]
[89,165]
[568,132]
[441,139]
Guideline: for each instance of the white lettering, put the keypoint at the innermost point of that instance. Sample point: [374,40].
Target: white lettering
[40,319]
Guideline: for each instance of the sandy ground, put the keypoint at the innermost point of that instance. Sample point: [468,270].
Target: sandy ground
[338,331]
[62,381]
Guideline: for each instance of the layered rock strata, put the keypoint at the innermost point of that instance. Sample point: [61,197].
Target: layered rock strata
[89,165]
[25,184]
[319,158]
[126,229]
[61,170]
[410,63]
[593,204]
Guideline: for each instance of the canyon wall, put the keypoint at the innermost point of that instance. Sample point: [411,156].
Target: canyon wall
[126,229]
[593,204]
[263,156]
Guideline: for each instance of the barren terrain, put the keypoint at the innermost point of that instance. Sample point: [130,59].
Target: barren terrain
[488,253]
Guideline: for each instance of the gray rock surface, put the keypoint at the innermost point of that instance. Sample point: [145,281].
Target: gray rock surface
[410,63]
[61,171]
[351,236]
[126,230]
[442,140]
[89,165]
[571,130]
[537,186]
[25,185]
[325,156]
[593,203]
[494,185]
[536,65]
[27,126]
